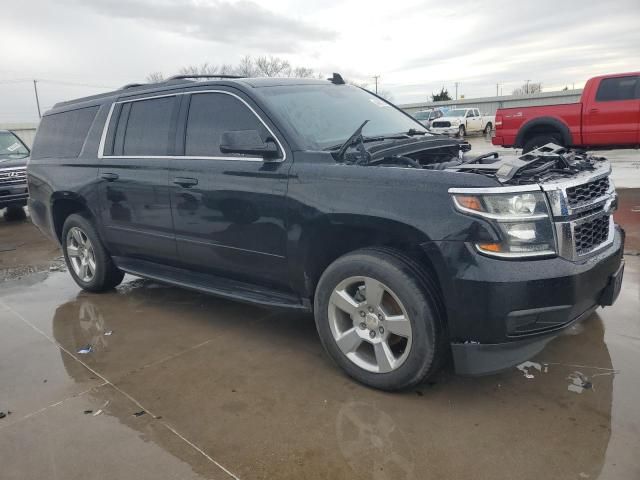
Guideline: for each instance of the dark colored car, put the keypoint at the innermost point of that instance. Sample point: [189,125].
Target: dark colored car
[320,196]
[14,155]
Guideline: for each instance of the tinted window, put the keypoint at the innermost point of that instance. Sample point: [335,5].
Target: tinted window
[620,88]
[212,114]
[63,134]
[146,127]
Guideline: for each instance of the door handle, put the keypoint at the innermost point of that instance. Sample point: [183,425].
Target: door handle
[110,177]
[185,182]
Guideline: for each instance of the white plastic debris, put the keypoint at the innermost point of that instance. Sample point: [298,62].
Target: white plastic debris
[85,350]
[99,411]
[109,333]
[579,382]
[525,366]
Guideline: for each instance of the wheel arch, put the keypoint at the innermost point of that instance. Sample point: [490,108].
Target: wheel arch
[541,126]
[64,204]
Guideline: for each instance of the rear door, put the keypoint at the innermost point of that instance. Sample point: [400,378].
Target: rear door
[133,178]
[612,118]
[229,210]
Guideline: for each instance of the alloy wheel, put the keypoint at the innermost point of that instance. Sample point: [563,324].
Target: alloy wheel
[81,254]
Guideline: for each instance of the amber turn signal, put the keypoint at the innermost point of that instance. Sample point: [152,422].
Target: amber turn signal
[469,201]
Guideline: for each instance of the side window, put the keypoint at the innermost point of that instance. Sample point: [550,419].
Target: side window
[62,135]
[619,88]
[212,114]
[143,127]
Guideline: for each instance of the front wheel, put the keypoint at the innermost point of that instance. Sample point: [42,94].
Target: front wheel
[378,320]
[88,261]
[461,131]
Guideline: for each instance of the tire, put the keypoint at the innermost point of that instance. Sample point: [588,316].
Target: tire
[461,131]
[14,213]
[81,242]
[414,354]
[488,129]
[539,141]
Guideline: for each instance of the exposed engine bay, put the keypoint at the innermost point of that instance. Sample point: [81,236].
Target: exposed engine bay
[546,163]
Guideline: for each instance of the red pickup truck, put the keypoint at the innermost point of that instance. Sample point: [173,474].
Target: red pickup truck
[607,116]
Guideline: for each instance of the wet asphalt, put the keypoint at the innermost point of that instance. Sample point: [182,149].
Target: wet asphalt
[181,385]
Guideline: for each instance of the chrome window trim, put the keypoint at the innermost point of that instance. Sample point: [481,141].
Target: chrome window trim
[496,190]
[230,157]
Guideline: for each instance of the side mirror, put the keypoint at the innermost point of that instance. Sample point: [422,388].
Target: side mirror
[248,142]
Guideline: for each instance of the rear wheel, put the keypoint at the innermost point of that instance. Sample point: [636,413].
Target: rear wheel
[378,320]
[88,261]
[488,129]
[539,141]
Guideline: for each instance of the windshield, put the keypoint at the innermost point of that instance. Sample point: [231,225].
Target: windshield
[11,146]
[423,115]
[456,113]
[326,115]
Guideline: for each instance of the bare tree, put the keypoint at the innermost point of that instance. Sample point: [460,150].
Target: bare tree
[155,77]
[303,72]
[273,67]
[528,88]
[246,67]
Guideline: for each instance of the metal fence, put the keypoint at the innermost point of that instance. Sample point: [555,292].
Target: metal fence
[489,105]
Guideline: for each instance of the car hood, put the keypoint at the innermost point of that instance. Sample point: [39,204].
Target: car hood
[13,162]
[448,119]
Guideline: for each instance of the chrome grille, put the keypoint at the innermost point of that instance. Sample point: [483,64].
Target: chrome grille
[13,176]
[589,191]
[438,124]
[590,235]
[582,210]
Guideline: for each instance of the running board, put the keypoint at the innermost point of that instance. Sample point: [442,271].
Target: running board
[211,284]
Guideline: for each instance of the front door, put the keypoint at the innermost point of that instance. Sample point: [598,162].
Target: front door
[613,117]
[133,179]
[229,210]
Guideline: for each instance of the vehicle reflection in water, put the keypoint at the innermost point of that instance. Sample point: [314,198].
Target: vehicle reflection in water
[452,427]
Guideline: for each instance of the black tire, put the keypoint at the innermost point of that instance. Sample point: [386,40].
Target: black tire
[106,275]
[420,299]
[488,128]
[14,213]
[539,141]
[461,131]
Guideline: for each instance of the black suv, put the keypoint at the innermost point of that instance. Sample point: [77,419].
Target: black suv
[320,196]
[13,173]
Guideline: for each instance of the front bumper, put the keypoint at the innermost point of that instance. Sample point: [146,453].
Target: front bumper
[453,130]
[13,195]
[501,313]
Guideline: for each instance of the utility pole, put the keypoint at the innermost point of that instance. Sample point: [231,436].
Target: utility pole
[375,78]
[35,89]
[527,86]
[497,89]
[456,91]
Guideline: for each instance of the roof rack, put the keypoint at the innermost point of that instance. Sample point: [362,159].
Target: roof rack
[187,76]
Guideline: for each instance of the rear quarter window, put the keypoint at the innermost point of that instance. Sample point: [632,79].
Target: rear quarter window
[61,135]
[618,88]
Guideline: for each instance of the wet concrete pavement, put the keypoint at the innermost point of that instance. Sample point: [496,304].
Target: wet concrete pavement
[236,391]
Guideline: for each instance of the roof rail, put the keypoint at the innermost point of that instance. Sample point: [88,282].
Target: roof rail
[187,76]
[131,85]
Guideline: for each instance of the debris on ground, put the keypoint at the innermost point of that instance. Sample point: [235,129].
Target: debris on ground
[87,412]
[579,382]
[108,333]
[139,414]
[86,350]
[2,414]
[525,366]
[100,410]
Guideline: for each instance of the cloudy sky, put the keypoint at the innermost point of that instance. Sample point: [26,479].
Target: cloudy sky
[80,47]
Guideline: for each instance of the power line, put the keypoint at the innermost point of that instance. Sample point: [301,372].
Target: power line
[58,82]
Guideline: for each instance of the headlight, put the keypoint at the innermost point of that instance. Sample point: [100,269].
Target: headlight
[522,218]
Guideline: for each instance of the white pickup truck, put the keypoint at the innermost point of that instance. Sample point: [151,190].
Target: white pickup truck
[460,121]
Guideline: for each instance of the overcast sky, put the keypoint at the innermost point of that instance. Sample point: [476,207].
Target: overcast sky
[415,46]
